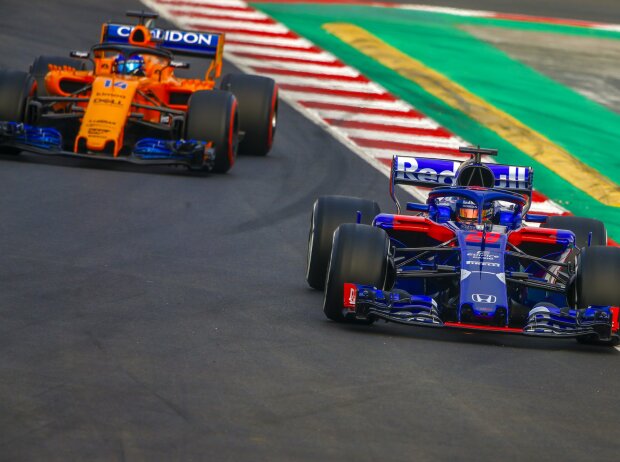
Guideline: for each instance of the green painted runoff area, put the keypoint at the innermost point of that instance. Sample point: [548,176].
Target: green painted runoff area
[586,129]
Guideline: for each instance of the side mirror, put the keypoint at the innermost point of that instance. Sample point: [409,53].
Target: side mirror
[510,220]
[535,218]
[80,54]
[443,214]
[414,207]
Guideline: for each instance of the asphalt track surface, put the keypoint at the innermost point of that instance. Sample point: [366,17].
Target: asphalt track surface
[155,315]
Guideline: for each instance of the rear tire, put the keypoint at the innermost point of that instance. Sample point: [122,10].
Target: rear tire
[328,213]
[212,116]
[16,87]
[581,227]
[598,276]
[360,256]
[258,110]
[40,67]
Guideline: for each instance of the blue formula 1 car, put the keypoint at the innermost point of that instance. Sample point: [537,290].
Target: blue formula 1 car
[465,259]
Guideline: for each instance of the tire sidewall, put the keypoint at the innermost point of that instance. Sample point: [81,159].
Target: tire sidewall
[16,87]
[598,276]
[258,109]
[212,116]
[329,212]
[359,255]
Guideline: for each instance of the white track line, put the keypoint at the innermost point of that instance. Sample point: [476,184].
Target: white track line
[547,206]
[230,3]
[610,28]
[316,68]
[452,142]
[447,10]
[327,83]
[388,154]
[266,53]
[249,38]
[353,102]
[396,121]
[218,12]
[241,25]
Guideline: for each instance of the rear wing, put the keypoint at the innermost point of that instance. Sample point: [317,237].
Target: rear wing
[431,173]
[181,42]
[190,43]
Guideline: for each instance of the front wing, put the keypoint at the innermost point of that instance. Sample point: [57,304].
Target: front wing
[365,302]
[148,151]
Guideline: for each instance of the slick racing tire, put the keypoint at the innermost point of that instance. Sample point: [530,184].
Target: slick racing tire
[598,276]
[40,67]
[359,255]
[258,110]
[16,87]
[581,227]
[328,213]
[212,116]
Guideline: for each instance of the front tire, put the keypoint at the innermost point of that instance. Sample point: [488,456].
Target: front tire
[212,116]
[329,212]
[258,110]
[598,277]
[359,255]
[16,87]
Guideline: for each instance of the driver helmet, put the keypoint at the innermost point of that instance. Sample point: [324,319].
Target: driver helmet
[134,65]
[467,212]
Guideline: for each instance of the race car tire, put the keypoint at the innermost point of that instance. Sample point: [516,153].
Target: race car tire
[212,116]
[598,276]
[359,255]
[258,110]
[328,213]
[581,227]
[40,67]
[15,89]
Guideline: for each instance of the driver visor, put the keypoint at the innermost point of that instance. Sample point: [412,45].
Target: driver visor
[468,214]
[129,66]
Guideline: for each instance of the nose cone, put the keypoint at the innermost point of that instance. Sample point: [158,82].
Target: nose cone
[483,296]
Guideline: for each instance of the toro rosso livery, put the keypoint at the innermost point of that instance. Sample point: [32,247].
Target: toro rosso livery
[129,105]
[465,258]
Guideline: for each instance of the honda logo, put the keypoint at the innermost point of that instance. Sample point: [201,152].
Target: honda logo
[483,298]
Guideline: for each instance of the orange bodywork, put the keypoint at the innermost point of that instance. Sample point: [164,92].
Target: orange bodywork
[109,98]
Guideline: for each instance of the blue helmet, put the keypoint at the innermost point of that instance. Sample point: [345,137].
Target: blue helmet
[134,65]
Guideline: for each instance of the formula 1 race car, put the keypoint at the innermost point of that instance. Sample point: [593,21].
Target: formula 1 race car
[465,259]
[131,107]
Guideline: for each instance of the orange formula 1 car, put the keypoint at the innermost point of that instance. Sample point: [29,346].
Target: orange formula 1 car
[131,107]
